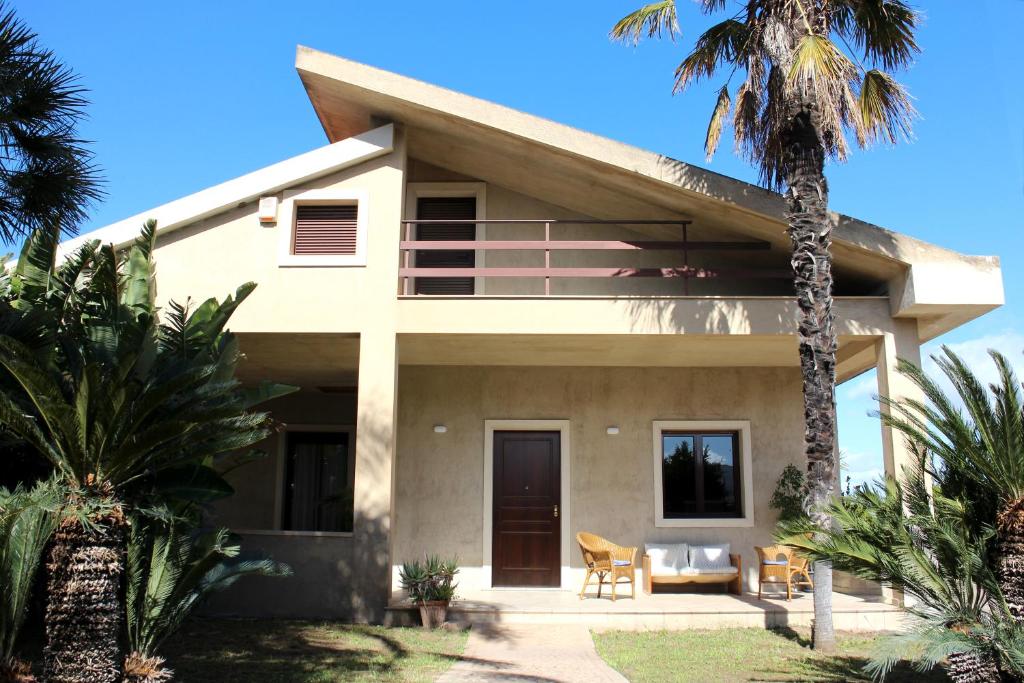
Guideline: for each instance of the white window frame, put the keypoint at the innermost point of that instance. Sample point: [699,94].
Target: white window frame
[742,427]
[286,227]
[414,191]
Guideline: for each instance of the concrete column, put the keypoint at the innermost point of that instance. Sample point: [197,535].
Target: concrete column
[374,477]
[902,344]
[376,412]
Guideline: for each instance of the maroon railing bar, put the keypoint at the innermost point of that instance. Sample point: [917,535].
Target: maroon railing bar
[582,245]
[547,245]
[682,272]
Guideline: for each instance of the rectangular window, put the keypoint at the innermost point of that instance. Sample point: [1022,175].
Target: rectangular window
[445,208]
[700,475]
[326,229]
[319,478]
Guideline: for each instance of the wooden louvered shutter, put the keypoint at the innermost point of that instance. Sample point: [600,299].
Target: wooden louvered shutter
[445,208]
[325,229]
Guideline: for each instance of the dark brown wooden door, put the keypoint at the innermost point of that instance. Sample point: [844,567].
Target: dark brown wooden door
[527,496]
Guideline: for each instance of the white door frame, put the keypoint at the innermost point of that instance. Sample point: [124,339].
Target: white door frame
[565,455]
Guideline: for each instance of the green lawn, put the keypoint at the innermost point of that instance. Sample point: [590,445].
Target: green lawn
[225,651]
[741,654]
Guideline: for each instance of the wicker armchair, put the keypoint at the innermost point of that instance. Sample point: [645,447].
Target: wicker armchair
[780,564]
[800,571]
[603,558]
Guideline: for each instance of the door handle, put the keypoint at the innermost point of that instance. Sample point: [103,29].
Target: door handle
[556,512]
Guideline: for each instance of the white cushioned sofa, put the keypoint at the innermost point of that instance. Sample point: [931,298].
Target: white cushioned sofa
[680,563]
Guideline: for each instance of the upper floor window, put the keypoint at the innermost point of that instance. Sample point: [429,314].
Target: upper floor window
[323,228]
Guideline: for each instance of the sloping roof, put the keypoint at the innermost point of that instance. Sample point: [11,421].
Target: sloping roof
[355,104]
[349,96]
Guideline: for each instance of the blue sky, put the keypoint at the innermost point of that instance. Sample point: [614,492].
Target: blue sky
[188,94]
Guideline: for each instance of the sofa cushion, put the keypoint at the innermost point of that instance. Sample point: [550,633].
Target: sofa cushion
[718,571]
[710,556]
[667,559]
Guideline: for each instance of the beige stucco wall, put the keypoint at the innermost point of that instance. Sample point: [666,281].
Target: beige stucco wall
[214,256]
[439,477]
[323,584]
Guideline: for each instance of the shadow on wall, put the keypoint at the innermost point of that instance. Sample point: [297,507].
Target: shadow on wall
[695,316]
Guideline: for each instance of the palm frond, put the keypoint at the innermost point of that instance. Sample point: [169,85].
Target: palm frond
[884,108]
[724,43]
[718,119]
[883,29]
[171,571]
[137,292]
[27,520]
[651,21]
[47,176]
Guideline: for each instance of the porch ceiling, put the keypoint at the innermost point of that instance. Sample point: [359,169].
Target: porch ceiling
[308,361]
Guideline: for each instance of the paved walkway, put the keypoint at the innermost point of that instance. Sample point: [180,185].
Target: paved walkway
[530,652]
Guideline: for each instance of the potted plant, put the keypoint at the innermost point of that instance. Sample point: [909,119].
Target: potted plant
[431,586]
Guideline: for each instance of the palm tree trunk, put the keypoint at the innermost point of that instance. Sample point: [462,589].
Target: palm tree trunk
[811,234]
[1010,537]
[83,610]
[972,667]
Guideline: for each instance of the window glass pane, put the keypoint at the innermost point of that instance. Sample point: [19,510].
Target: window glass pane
[679,484]
[719,463]
[319,486]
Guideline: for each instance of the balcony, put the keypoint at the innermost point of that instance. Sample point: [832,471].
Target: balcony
[573,257]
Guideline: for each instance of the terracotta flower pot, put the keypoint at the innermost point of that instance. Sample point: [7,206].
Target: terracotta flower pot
[433,613]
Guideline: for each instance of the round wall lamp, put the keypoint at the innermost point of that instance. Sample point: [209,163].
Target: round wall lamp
[612,430]
[440,429]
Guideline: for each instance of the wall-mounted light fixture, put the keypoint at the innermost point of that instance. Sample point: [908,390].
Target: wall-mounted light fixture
[440,429]
[612,430]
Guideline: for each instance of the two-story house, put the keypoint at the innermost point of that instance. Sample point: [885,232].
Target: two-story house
[507,330]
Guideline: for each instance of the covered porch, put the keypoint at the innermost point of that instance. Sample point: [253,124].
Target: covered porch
[421,409]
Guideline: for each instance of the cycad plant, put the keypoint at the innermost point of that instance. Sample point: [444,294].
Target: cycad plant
[27,519]
[171,570]
[976,438]
[907,534]
[796,77]
[129,411]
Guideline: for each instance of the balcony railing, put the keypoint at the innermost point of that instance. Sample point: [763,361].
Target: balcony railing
[683,247]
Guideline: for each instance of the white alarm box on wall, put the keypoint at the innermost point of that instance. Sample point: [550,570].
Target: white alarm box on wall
[268,209]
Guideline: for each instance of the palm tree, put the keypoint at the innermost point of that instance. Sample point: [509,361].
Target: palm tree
[910,535]
[799,95]
[130,413]
[977,437]
[47,177]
